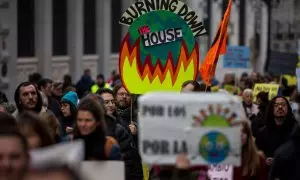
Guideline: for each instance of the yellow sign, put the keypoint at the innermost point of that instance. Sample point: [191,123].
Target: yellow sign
[231,89]
[272,89]
[292,80]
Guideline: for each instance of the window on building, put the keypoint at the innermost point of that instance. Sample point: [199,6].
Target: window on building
[288,47]
[116,35]
[89,27]
[26,28]
[276,47]
[59,33]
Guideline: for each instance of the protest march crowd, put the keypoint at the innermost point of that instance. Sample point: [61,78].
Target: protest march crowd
[155,119]
[104,115]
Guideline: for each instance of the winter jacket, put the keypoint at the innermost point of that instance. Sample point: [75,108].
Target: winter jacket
[131,157]
[286,162]
[258,122]
[16,113]
[117,131]
[84,85]
[96,87]
[98,146]
[125,118]
[54,106]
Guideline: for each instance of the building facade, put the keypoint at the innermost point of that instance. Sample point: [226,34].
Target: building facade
[58,37]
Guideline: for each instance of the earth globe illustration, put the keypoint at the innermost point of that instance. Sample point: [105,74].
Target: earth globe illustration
[214,147]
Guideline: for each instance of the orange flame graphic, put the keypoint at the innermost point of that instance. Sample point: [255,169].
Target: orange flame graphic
[140,78]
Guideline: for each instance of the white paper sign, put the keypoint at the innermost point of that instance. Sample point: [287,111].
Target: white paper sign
[103,170]
[220,172]
[70,154]
[200,124]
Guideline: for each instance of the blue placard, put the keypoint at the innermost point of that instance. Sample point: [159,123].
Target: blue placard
[237,57]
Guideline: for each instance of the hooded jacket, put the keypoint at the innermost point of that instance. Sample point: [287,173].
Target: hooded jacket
[39,105]
[271,136]
[286,163]
[72,99]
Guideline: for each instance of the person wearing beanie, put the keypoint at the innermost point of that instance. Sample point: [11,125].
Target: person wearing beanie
[69,109]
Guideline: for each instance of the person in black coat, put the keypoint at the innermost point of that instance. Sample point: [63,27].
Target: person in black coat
[286,160]
[126,110]
[84,85]
[280,122]
[259,121]
[129,150]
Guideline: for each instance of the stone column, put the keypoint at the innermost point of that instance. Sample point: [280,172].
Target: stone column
[12,49]
[75,37]
[103,35]
[43,36]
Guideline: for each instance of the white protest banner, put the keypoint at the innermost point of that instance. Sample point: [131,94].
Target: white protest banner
[70,154]
[103,170]
[220,172]
[201,124]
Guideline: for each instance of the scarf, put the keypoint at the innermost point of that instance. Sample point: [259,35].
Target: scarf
[124,113]
[94,145]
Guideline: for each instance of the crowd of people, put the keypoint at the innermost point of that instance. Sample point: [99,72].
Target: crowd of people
[104,115]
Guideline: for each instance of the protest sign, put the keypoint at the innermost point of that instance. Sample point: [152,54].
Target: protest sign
[272,89]
[282,63]
[220,172]
[291,80]
[70,154]
[159,52]
[201,124]
[103,170]
[298,79]
[237,57]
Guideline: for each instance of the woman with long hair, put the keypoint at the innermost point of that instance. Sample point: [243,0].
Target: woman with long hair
[253,162]
[52,122]
[90,127]
[35,130]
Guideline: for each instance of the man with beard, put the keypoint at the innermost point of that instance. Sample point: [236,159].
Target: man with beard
[125,110]
[280,122]
[45,86]
[28,98]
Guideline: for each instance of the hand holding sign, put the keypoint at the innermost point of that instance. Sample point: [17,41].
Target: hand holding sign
[132,128]
[182,161]
[69,130]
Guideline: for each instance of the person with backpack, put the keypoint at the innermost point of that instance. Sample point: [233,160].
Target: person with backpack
[90,127]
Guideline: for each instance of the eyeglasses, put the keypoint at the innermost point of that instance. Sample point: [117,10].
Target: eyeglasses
[280,104]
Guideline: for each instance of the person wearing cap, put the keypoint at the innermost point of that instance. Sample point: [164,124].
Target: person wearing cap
[69,109]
